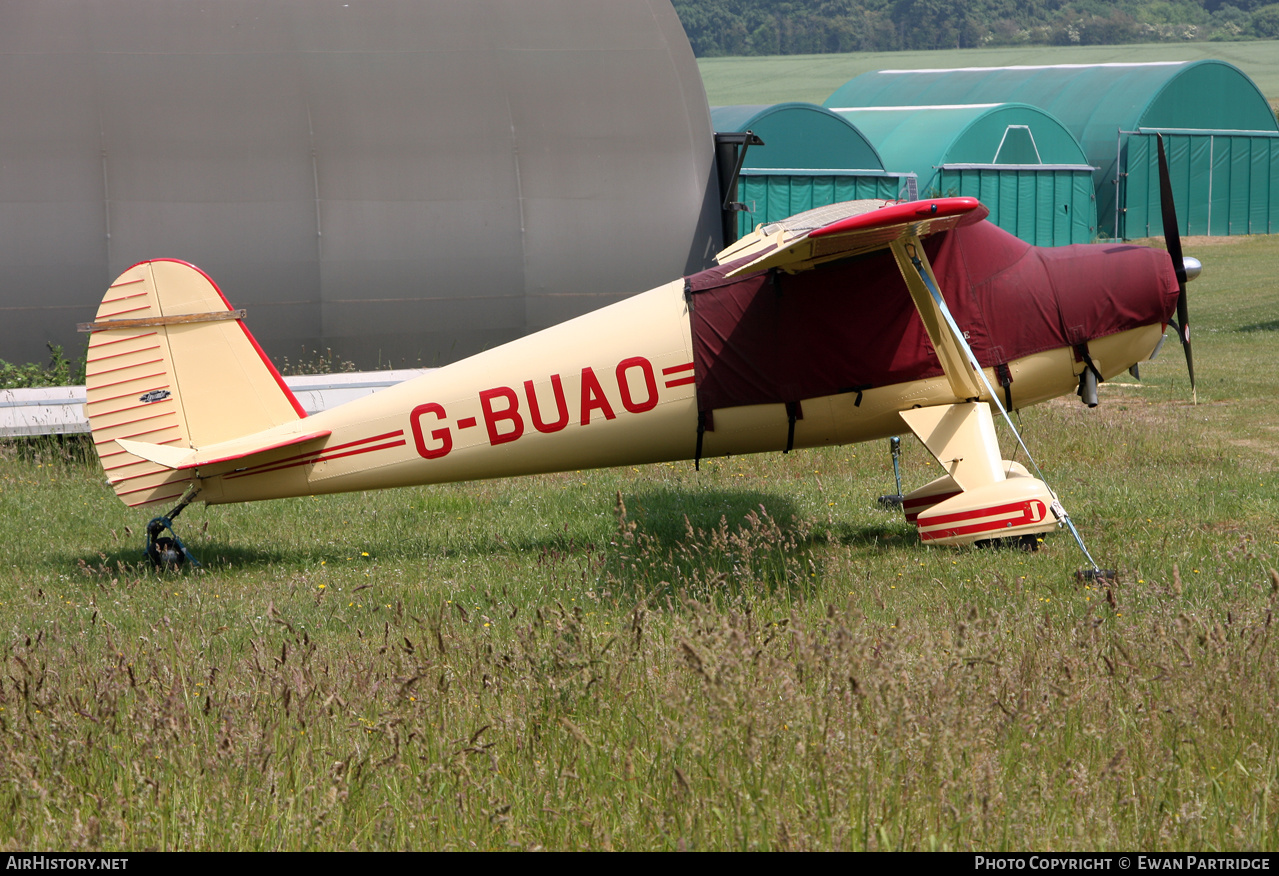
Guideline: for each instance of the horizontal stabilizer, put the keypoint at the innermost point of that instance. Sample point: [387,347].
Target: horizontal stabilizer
[168,457]
[183,459]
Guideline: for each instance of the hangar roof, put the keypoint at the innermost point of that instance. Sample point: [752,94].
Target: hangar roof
[921,139]
[1094,101]
[799,135]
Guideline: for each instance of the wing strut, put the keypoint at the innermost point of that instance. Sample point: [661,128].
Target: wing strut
[917,272]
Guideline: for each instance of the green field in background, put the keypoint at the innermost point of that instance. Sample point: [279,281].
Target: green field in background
[812,78]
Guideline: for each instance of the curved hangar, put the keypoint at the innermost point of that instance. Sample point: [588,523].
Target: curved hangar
[1017,160]
[399,180]
[1222,137]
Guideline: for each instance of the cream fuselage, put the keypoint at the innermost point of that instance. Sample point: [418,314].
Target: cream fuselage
[613,387]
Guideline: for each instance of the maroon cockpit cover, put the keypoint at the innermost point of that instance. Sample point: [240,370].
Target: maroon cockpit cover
[848,326]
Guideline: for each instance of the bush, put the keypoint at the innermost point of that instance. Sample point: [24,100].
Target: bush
[60,371]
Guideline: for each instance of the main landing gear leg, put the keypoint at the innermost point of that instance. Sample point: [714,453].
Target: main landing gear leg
[168,552]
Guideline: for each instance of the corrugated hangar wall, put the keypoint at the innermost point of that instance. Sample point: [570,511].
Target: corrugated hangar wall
[400,180]
[1223,137]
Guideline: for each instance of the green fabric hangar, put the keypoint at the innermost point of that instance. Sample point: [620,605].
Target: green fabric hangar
[1221,136]
[811,157]
[1017,160]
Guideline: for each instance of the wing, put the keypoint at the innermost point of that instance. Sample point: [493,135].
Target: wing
[793,245]
[961,437]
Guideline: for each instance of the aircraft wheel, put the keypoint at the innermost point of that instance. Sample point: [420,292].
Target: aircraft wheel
[1028,542]
[165,554]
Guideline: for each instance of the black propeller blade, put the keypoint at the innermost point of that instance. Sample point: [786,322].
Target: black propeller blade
[1172,236]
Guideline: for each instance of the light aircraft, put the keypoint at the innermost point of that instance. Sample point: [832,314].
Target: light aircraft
[844,324]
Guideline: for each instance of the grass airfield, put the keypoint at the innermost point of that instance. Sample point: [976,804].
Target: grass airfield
[812,78]
[753,656]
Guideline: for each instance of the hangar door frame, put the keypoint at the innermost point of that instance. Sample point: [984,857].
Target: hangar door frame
[1238,195]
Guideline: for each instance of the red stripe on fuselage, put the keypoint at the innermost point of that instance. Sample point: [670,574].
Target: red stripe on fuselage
[325,458]
[302,456]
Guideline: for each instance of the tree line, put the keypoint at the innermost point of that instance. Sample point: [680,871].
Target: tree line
[801,27]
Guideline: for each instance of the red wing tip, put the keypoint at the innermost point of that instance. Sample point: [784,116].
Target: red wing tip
[911,211]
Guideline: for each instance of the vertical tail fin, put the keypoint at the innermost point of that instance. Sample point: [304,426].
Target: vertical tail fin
[171,364]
